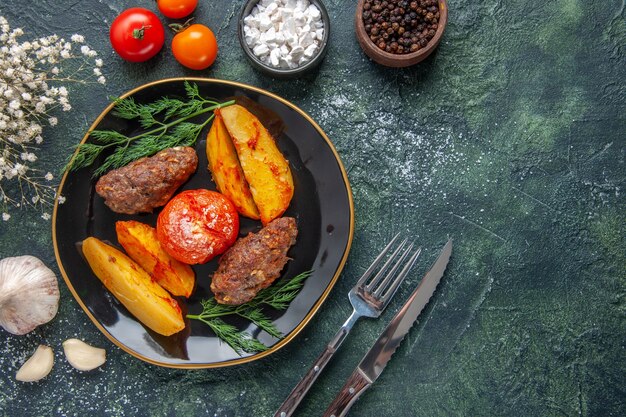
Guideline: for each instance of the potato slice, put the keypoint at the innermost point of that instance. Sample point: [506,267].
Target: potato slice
[140,242]
[134,288]
[226,170]
[264,166]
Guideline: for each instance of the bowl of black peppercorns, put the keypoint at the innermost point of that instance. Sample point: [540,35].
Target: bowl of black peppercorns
[400,33]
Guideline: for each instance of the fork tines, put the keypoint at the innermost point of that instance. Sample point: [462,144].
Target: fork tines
[381,288]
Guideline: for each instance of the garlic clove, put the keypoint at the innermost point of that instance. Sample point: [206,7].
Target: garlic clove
[29,294]
[83,356]
[37,366]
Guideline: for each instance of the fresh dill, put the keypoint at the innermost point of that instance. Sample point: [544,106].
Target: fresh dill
[166,123]
[277,296]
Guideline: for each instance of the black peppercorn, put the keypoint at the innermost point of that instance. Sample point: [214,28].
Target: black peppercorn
[400,26]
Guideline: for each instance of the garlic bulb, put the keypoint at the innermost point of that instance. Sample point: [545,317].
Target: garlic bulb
[82,356]
[29,294]
[38,366]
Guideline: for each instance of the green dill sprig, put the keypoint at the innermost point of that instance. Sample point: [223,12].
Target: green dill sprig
[165,122]
[277,296]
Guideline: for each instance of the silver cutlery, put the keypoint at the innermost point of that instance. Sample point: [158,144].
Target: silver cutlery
[380,353]
[368,297]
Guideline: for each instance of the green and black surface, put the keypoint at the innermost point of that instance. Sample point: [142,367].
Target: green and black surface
[511,139]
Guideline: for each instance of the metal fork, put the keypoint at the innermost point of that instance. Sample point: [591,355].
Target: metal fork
[368,297]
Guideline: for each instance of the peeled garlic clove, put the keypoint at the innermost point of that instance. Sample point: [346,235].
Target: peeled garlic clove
[83,356]
[29,294]
[37,366]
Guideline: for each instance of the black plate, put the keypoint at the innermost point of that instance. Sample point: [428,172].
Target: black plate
[322,205]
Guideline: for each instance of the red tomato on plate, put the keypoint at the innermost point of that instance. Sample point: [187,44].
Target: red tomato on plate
[197,225]
[195,47]
[137,34]
[176,9]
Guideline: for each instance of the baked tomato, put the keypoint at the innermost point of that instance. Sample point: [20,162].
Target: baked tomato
[194,46]
[137,34]
[176,9]
[197,225]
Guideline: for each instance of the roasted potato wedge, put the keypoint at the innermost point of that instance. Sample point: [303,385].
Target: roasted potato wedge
[140,242]
[264,166]
[226,170]
[134,288]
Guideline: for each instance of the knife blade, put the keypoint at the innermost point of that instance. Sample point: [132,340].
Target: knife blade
[375,360]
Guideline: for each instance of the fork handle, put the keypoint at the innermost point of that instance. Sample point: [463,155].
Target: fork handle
[297,394]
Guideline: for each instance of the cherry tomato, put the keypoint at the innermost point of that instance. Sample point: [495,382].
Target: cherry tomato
[176,9]
[197,225]
[137,34]
[195,47]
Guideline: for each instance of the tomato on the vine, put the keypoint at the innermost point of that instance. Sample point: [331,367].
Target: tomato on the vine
[176,9]
[195,46]
[137,34]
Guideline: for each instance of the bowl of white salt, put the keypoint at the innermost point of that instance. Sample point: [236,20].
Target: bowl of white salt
[284,38]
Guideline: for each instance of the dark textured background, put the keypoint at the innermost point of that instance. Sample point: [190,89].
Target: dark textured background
[510,139]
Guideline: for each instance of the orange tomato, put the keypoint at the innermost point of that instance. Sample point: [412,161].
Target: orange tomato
[195,47]
[177,9]
[197,225]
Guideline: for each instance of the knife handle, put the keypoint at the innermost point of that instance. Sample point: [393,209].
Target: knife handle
[290,404]
[354,387]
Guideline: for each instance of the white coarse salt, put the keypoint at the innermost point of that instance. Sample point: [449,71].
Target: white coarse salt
[284,33]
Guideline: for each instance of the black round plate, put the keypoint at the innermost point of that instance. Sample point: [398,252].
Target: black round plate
[322,205]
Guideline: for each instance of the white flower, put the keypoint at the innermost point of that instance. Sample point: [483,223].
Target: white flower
[27,99]
[45,216]
[61,199]
[28,156]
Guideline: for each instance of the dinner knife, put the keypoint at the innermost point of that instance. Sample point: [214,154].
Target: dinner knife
[376,358]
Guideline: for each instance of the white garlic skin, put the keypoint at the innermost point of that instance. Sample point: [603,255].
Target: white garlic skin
[82,356]
[29,294]
[37,366]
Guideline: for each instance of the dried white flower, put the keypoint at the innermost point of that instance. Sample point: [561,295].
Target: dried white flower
[31,77]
